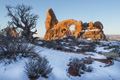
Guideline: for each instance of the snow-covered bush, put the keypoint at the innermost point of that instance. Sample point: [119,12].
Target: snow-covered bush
[114,44]
[117,50]
[11,48]
[89,69]
[88,60]
[31,68]
[96,41]
[91,48]
[37,67]
[105,43]
[45,68]
[80,66]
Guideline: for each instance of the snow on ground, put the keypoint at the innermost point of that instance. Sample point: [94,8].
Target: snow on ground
[59,61]
[14,71]
[102,49]
[40,42]
[101,73]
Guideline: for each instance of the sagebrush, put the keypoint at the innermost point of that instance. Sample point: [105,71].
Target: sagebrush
[80,66]
[37,67]
[11,48]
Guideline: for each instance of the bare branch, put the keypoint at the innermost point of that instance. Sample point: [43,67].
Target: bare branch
[22,18]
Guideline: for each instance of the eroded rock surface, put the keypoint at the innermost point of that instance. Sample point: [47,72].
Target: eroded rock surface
[12,32]
[59,30]
[50,20]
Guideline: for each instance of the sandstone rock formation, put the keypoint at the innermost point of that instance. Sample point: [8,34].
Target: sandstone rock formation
[50,20]
[98,25]
[13,32]
[59,30]
[91,25]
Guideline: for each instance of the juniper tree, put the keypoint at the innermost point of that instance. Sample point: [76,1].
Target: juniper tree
[22,18]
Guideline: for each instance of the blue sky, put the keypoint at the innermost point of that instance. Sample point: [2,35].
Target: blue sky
[106,11]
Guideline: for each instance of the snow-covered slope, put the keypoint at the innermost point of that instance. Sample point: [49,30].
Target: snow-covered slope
[59,61]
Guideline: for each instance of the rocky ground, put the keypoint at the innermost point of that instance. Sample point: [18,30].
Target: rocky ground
[72,44]
[101,60]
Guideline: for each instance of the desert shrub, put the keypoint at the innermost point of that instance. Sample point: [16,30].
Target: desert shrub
[37,67]
[50,44]
[11,48]
[91,47]
[117,50]
[80,66]
[88,60]
[89,69]
[59,47]
[79,50]
[45,68]
[31,68]
[96,41]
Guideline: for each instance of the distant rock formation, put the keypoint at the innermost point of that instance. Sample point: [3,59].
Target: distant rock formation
[12,32]
[59,30]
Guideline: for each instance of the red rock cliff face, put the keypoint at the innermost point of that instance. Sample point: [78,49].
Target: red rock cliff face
[59,30]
